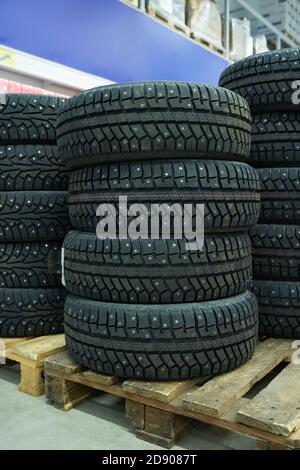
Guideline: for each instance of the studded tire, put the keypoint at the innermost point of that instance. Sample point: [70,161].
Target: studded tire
[275,140]
[32,167]
[280,195]
[28,119]
[162,342]
[265,80]
[156,271]
[33,215]
[30,264]
[279,308]
[276,252]
[153,120]
[228,190]
[31,312]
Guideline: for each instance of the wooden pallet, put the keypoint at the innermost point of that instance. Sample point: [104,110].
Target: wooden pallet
[160,411]
[206,43]
[134,3]
[160,16]
[30,353]
[185,30]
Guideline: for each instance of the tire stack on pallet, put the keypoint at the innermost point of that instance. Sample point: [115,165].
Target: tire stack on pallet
[269,83]
[33,216]
[150,308]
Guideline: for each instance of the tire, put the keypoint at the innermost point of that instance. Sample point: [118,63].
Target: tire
[156,271]
[279,308]
[32,167]
[28,119]
[30,216]
[31,312]
[265,80]
[153,120]
[229,191]
[275,140]
[280,195]
[161,342]
[31,265]
[276,252]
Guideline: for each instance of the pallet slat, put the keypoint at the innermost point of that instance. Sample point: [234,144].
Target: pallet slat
[62,362]
[30,353]
[219,394]
[99,379]
[276,408]
[161,391]
[9,343]
[37,349]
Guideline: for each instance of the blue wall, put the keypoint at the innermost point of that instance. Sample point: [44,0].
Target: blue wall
[107,38]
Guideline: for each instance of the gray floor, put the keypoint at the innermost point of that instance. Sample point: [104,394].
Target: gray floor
[99,423]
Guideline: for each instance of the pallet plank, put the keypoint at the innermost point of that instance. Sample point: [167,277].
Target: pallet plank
[276,408]
[11,342]
[37,349]
[62,362]
[161,391]
[97,378]
[262,445]
[219,394]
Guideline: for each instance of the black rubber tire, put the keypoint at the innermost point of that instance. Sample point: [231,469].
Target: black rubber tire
[156,271]
[279,308]
[276,252]
[280,195]
[32,167]
[162,342]
[230,191]
[275,140]
[28,119]
[153,120]
[31,312]
[265,80]
[30,216]
[31,264]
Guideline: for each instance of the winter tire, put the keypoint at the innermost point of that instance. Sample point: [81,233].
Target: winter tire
[266,80]
[229,191]
[156,271]
[161,342]
[31,312]
[279,308]
[153,120]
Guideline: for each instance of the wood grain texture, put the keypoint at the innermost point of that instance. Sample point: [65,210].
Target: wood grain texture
[37,349]
[161,391]
[276,408]
[219,394]
[62,362]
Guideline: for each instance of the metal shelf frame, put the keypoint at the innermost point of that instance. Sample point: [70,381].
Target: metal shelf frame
[280,37]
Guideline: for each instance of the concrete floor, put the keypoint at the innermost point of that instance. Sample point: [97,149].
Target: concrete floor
[99,423]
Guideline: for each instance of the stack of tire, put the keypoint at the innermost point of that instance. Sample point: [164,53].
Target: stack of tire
[150,308]
[269,83]
[33,216]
